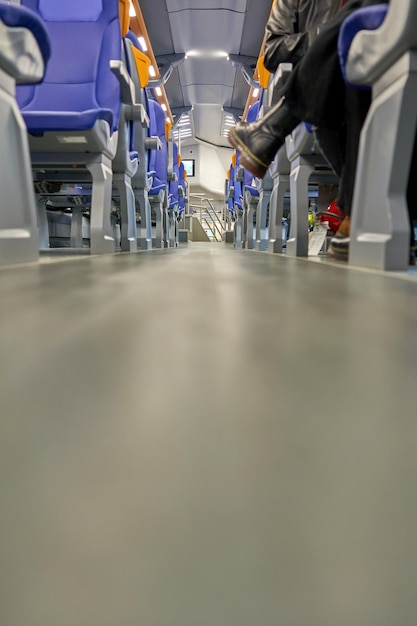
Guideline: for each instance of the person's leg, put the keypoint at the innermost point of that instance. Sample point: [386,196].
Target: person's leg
[313,93]
[332,145]
[259,141]
[412,202]
[357,106]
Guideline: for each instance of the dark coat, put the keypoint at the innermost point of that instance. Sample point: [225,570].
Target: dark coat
[316,93]
[316,90]
[292,27]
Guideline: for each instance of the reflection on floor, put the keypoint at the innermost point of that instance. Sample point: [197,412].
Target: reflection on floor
[207,436]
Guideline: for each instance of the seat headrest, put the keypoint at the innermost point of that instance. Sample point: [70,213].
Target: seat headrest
[20,16]
[142,65]
[263,73]
[124,7]
[74,11]
[168,128]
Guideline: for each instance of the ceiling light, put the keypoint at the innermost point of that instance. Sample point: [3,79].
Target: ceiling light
[255,93]
[208,54]
[163,106]
[152,71]
[158,91]
[142,43]
[132,11]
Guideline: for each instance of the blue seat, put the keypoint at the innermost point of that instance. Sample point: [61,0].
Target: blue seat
[279,172]
[158,171]
[367,18]
[126,160]
[182,187]
[236,194]
[32,69]
[73,116]
[230,192]
[173,197]
[378,48]
[24,53]
[308,166]
[173,182]
[250,190]
[138,65]
[253,113]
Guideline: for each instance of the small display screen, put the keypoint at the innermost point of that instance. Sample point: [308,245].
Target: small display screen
[189,166]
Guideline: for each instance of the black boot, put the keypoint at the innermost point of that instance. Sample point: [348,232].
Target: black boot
[259,141]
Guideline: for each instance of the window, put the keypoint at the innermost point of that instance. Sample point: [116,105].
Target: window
[189,166]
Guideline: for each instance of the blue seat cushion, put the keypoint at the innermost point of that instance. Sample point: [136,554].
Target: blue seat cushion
[16,16]
[39,122]
[367,18]
[158,159]
[252,190]
[78,84]
[253,111]
[74,11]
[156,189]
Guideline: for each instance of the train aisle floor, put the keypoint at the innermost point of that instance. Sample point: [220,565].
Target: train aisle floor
[207,436]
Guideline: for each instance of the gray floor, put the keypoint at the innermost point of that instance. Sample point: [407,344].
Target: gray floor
[207,437]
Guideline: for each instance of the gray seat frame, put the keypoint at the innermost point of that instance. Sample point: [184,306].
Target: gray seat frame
[387,59]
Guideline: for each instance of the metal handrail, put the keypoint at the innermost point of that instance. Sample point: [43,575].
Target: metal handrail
[212,221]
[217,223]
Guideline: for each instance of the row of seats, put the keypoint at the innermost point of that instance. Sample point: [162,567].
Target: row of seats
[297,166]
[98,145]
[377,47]
[242,195]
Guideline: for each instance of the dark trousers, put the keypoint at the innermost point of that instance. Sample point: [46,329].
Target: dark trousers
[316,92]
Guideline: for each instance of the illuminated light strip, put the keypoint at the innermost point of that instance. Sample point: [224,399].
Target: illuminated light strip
[142,43]
[138,26]
[261,53]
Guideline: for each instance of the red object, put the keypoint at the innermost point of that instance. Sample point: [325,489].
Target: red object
[333,215]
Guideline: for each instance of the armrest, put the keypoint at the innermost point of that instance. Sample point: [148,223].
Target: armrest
[144,118]
[277,82]
[24,43]
[240,174]
[373,51]
[126,83]
[20,55]
[170,156]
[136,113]
[153,143]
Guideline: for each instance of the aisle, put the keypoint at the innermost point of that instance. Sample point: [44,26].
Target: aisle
[207,437]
